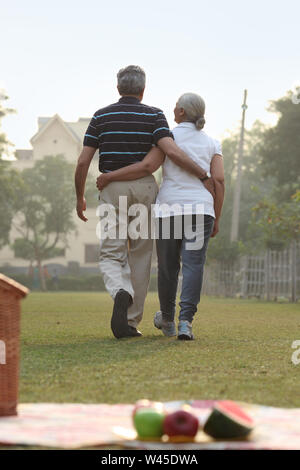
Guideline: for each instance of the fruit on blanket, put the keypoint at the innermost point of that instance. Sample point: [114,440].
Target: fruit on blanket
[144,403]
[148,422]
[181,423]
[228,420]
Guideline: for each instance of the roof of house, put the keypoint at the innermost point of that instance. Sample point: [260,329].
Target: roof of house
[12,286]
[75,129]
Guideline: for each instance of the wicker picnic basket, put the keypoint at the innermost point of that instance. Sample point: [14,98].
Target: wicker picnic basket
[11,293]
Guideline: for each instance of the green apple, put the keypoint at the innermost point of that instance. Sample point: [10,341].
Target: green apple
[148,422]
[145,403]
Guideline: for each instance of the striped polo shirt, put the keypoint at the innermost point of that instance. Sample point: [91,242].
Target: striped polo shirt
[125,132]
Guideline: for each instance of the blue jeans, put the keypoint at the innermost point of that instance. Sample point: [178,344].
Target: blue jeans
[169,253]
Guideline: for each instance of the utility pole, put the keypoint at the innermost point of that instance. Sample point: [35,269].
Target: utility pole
[237,191]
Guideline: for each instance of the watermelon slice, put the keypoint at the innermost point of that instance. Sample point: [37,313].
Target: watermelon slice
[227,421]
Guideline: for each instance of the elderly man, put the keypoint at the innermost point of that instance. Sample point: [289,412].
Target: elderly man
[125,133]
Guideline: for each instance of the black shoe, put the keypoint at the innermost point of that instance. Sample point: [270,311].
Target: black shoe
[133,331]
[130,332]
[119,324]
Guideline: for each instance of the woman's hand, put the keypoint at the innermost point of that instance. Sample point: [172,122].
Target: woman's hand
[215,229]
[209,184]
[102,181]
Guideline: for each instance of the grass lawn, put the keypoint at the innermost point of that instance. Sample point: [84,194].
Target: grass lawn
[242,352]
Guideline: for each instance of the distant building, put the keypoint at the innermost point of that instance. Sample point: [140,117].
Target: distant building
[55,136]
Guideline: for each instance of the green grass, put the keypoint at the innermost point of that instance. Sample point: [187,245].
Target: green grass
[242,351]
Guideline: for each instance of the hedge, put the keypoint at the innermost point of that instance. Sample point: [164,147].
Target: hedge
[71,283]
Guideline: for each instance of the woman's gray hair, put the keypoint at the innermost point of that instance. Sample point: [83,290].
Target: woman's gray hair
[194,108]
[131,80]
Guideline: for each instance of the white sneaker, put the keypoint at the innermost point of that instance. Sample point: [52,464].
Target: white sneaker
[185,330]
[167,327]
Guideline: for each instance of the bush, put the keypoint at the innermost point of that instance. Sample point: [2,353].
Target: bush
[92,283]
[87,283]
[21,278]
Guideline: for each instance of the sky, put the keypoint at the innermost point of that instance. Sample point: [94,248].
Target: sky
[63,56]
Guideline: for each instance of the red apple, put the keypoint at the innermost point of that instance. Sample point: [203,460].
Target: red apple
[181,423]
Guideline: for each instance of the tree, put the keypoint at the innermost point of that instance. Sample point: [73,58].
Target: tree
[44,211]
[4,143]
[280,223]
[276,216]
[9,179]
[271,175]
[255,186]
[10,182]
[281,147]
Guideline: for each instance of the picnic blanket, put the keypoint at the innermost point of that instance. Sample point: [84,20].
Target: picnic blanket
[72,426]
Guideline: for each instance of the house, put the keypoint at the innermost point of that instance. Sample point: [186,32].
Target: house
[54,136]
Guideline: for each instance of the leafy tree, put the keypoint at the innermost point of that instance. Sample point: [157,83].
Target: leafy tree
[10,183]
[280,223]
[44,210]
[4,143]
[220,248]
[255,186]
[9,180]
[276,215]
[280,148]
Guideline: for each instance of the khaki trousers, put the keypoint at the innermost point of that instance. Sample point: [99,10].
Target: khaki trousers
[125,263]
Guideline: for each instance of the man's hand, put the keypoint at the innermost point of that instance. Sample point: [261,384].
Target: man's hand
[81,206]
[81,172]
[215,229]
[210,186]
[102,181]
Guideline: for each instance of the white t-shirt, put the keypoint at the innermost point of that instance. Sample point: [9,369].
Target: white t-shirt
[181,188]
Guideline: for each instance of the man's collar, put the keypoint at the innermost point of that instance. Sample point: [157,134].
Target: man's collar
[129,100]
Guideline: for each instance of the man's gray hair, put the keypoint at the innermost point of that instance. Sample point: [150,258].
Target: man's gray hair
[194,108]
[131,80]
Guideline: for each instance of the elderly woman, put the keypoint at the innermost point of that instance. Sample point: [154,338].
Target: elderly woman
[184,208]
